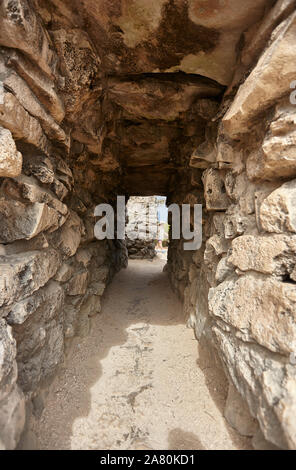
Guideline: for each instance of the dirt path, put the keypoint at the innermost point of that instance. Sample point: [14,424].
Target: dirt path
[136,382]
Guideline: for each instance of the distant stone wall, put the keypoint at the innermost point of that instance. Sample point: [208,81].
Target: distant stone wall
[142,215]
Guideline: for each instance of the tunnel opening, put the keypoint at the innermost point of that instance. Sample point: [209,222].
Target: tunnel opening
[147,228]
[100,99]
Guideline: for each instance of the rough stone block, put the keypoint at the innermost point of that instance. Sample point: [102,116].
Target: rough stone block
[10,159]
[277,213]
[238,415]
[215,191]
[25,221]
[261,310]
[23,274]
[269,81]
[270,254]
[12,419]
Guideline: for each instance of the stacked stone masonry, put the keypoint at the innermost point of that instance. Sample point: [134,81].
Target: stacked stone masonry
[142,227]
[204,116]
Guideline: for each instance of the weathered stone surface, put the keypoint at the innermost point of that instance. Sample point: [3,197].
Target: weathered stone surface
[77,285]
[237,413]
[21,29]
[265,382]
[42,353]
[269,81]
[8,370]
[10,159]
[42,86]
[27,189]
[25,221]
[21,124]
[21,246]
[149,98]
[206,152]
[12,419]
[65,272]
[277,212]
[23,274]
[31,104]
[97,288]
[192,37]
[100,274]
[274,254]
[237,222]
[38,328]
[91,307]
[41,167]
[215,192]
[276,158]
[45,301]
[67,239]
[78,323]
[260,443]
[258,37]
[224,269]
[142,227]
[216,246]
[261,310]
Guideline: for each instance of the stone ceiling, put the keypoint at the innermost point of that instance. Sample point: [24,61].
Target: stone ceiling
[160,36]
[140,79]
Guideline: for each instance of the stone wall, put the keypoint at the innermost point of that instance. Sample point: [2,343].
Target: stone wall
[239,289]
[53,272]
[53,275]
[141,228]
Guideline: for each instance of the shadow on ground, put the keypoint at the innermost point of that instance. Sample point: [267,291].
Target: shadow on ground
[140,294]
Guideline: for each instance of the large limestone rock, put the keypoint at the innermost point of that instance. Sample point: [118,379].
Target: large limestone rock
[21,29]
[269,81]
[12,404]
[277,212]
[10,159]
[67,239]
[8,371]
[23,274]
[276,158]
[31,104]
[261,310]
[21,124]
[77,285]
[215,191]
[25,221]
[46,301]
[237,413]
[265,381]
[27,189]
[110,74]
[12,419]
[38,326]
[257,37]
[270,254]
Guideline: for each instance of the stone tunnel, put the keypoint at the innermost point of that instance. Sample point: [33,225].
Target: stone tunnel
[189,99]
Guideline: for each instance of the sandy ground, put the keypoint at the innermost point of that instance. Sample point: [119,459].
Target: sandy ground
[140,380]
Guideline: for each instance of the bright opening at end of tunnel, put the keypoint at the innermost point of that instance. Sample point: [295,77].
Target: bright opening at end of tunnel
[147,228]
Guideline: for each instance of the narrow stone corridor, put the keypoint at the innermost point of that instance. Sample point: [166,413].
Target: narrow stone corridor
[136,382]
